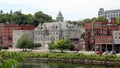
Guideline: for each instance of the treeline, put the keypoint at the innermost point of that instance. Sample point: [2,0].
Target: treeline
[18,17]
[88,20]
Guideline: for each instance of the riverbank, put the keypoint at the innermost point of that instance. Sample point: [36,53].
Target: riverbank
[75,61]
[64,57]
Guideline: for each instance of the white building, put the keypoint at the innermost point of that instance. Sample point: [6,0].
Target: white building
[116,37]
[47,32]
[109,13]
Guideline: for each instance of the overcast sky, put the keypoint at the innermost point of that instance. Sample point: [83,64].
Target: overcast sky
[71,9]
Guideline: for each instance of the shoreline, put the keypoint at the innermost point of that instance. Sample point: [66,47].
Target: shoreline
[74,61]
[77,58]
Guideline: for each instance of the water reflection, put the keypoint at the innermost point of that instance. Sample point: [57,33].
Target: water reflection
[61,65]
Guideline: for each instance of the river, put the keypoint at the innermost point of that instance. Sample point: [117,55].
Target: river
[61,65]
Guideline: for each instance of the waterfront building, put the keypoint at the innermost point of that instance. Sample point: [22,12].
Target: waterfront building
[6,32]
[116,39]
[48,32]
[53,31]
[99,35]
[109,13]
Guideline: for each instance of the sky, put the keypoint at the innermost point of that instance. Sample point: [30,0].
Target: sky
[71,9]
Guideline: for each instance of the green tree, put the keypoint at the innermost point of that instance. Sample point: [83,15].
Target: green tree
[69,44]
[42,17]
[87,20]
[25,43]
[73,22]
[27,19]
[63,44]
[4,47]
[1,11]
[101,19]
[50,46]
[4,18]
[82,36]
[31,20]
[36,45]
[118,21]
[16,18]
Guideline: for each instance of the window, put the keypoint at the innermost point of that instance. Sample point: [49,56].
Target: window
[41,28]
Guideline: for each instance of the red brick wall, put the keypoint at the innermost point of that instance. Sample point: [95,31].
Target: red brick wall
[6,32]
[102,32]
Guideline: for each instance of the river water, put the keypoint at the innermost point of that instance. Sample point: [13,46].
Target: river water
[61,65]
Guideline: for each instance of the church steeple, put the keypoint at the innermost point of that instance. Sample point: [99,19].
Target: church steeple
[59,17]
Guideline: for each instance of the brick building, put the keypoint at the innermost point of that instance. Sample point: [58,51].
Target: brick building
[6,32]
[99,35]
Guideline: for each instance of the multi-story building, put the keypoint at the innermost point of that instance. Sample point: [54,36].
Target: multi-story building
[45,33]
[109,13]
[99,35]
[6,32]
[116,39]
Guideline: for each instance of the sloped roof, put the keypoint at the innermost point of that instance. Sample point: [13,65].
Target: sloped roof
[59,14]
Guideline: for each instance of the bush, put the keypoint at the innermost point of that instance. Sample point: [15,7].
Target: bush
[25,55]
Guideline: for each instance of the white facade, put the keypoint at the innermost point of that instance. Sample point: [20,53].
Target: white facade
[19,33]
[53,31]
[116,37]
[47,32]
[109,13]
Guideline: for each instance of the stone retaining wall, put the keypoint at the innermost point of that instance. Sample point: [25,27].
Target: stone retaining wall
[78,61]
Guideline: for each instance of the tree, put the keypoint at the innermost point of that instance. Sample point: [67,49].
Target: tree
[87,20]
[24,42]
[118,21]
[4,47]
[50,46]
[82,35]
[63,44]
[37,45]
[69,44]
[73,22]
[11,12]
[26,19]
[42,17]
[4,18]
[1,11]
[101,19]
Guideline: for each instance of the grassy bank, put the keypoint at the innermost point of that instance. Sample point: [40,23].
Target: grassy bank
[21,56]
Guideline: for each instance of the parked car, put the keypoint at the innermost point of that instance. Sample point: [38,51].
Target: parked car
[99,52]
